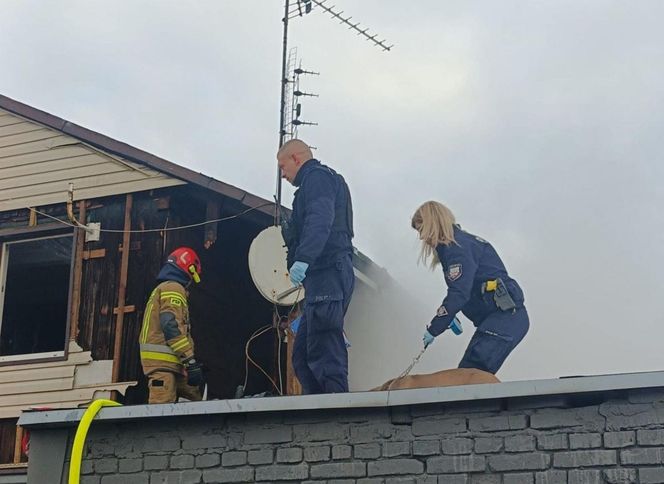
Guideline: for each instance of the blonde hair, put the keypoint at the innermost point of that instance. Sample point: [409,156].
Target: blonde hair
[435,223]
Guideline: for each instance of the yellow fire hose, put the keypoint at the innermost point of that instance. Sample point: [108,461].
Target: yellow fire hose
[81,434]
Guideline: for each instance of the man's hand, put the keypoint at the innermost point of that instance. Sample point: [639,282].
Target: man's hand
[428,338]
[298,272]
[194,373]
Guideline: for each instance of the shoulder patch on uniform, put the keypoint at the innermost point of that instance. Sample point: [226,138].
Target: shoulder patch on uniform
[441,311]
[454,272]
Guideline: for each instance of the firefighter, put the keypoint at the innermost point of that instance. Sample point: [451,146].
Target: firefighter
[477,285]
[167,349]
[318,237]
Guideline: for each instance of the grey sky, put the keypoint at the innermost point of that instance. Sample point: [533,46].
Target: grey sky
[538,123]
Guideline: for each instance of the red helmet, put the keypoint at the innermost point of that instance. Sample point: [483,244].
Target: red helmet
[186,259]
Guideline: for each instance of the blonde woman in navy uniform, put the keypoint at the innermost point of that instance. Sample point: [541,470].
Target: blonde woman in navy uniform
[478,285]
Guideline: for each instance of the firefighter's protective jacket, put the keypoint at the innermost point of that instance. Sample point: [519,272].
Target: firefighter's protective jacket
[165,338]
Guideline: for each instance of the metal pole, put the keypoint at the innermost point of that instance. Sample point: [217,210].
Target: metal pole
[282,109]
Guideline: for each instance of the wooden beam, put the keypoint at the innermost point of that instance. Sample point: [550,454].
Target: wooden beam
[17,445]
[39,229]
[22,465]
[293,386]
[94,254]
[78,275]
[32,222]
[122,290]
[126,309]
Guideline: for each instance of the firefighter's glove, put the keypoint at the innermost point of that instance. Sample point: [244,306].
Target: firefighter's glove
[194,373]
[428,338]
[298,272]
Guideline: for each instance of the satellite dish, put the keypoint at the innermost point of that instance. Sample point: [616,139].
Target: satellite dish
[267,265]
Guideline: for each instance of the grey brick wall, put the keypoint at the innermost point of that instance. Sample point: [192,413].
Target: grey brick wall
[613,439]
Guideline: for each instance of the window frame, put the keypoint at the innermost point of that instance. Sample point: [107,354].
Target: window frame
[22,235]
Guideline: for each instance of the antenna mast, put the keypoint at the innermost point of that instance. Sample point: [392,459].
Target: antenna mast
[290,107]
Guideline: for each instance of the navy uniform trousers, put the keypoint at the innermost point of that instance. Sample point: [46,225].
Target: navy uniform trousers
[495,338]
[320,357]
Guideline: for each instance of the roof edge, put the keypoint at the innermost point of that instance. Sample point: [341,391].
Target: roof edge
[392,398]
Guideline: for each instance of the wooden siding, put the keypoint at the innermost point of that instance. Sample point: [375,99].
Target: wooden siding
[37,164]
[54,384]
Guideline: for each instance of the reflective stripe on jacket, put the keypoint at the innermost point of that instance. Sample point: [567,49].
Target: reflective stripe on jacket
[156,351]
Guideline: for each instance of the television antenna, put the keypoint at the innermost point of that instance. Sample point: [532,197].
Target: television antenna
[290,107]
[293,95]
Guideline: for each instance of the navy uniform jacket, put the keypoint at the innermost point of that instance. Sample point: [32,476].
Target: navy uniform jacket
[322,216]
[466,267]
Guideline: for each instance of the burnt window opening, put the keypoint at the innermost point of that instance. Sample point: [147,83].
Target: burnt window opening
[34,296]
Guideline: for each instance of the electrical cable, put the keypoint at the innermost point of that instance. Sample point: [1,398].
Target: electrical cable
[246,352]
[166,229]
[256,334]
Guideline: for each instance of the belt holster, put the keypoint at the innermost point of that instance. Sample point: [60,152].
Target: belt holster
[501,295]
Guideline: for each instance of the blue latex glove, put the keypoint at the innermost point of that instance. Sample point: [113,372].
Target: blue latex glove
[428,338]
[298,272]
